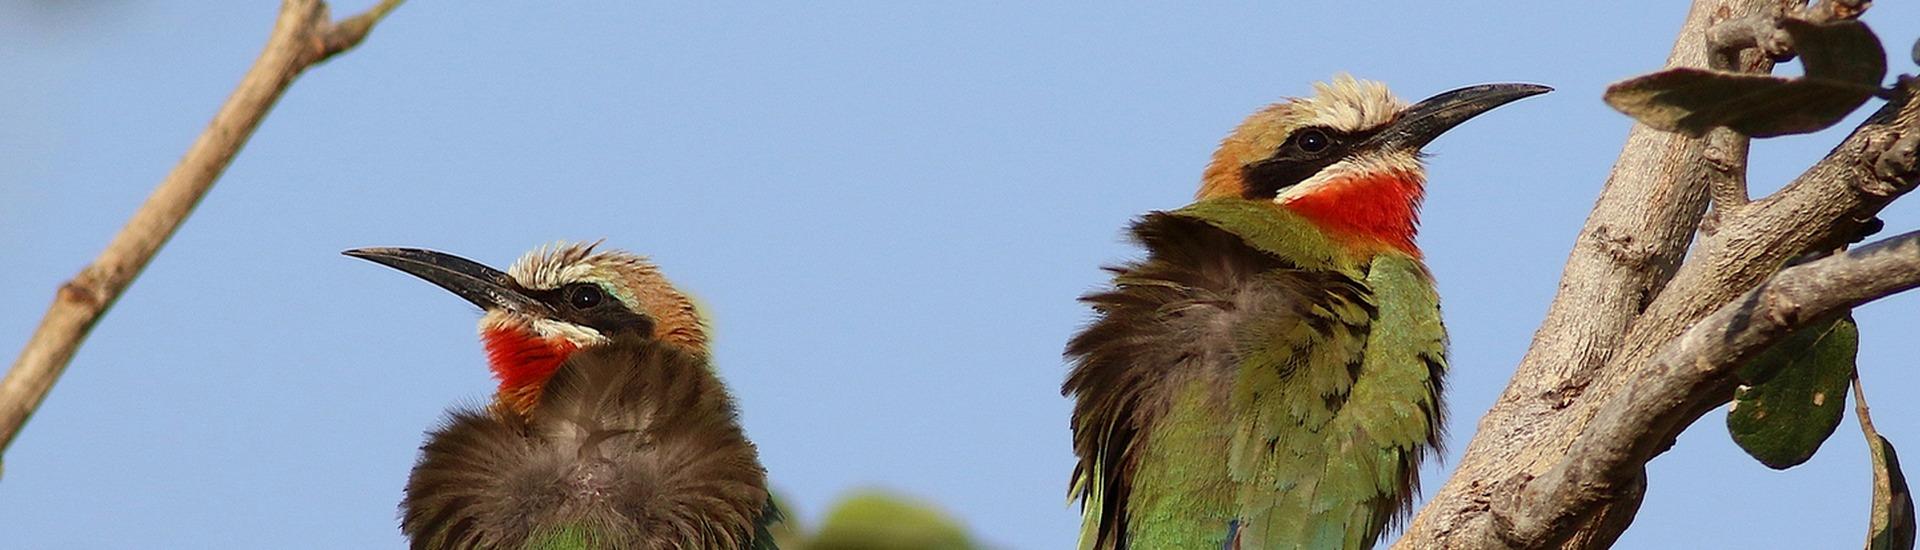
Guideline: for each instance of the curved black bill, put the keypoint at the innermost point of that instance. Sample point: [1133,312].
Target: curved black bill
[486,287]
[1423,121]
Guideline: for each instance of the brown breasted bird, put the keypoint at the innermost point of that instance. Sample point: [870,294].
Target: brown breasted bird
[1269,375]
[609,428]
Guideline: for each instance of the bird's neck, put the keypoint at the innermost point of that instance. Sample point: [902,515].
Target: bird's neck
[522,361]
[1377,210]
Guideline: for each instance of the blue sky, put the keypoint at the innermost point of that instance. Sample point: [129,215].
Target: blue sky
[889,208]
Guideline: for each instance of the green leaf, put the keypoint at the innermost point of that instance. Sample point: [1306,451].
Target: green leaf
[874,520]
[1844,65]
[1796,394]
[1891,526]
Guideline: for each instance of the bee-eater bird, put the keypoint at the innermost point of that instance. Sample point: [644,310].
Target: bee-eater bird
[609,428]
[1269,375]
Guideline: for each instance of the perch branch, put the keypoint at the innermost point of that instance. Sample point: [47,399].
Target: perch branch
[1657,403]
[1827,205]
[303,35]
[1631,245]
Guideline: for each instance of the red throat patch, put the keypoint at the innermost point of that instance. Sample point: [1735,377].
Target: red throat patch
[522,361]
[1374,209]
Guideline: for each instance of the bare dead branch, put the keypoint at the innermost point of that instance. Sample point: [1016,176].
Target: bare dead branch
[303,35]
[1629,429]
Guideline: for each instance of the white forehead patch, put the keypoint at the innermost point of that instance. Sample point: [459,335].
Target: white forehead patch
[1350,104]
[552,265]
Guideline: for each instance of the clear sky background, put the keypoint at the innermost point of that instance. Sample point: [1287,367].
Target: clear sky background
[889,208]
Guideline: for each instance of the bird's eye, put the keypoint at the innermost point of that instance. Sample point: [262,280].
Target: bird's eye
[585,296]
[1311,140]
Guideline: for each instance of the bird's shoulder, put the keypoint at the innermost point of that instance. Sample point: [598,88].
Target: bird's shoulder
[1212,273]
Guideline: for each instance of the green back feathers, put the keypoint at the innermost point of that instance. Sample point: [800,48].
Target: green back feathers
[1180,478]
[1275,231]
[566,537]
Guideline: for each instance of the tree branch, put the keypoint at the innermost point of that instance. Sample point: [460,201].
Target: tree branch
[303,35]
[1728,39]
[1561,388]
[1726,151]
[1631,427]
[1632,243]
[1726,155]
[1824,207]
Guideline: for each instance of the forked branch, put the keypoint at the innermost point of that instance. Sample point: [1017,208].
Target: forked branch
[1660,401]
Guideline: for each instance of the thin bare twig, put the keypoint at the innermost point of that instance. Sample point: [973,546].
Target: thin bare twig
[1658,403]
[303,35]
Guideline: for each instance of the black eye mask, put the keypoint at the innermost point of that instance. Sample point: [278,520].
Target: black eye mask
[585,304]
[1306,152]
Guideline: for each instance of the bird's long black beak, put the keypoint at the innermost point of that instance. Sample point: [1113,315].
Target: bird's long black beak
[486,287]
[1420,123]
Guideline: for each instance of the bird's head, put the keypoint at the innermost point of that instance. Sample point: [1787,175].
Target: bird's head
[555,301]
[1347,158]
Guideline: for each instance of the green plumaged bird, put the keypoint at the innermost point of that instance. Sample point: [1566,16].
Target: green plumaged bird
[1269,375]
[609,428]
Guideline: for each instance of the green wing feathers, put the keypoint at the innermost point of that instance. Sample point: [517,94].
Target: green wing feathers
[1293,473]
[1251,383]
[1340,480]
